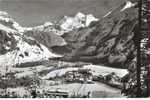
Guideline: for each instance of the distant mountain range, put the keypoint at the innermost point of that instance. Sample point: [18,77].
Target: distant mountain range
[36,12]
[71,43]
[107,40]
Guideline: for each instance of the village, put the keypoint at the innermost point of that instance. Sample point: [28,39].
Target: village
[80,80]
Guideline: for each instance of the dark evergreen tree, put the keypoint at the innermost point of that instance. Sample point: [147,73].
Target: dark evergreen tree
[129,80]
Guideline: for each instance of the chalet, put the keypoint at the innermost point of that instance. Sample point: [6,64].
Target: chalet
[80,75]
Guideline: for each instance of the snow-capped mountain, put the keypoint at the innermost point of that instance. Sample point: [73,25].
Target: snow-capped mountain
[46,27]
[51,34]
[128,4]
[6,19]
[22,45]
[16,48]
[103,39]
[66,24]
[80,20]
[108,41]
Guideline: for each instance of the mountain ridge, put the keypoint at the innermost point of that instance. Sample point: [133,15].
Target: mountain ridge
[98,42]
[17,48]
[109,41]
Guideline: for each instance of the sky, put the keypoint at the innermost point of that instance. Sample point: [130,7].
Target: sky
[36,12]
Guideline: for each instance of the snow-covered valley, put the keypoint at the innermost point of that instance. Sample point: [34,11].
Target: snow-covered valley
[95,53]
[52,79]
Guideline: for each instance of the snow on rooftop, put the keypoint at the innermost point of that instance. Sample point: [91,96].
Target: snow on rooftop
[103,70]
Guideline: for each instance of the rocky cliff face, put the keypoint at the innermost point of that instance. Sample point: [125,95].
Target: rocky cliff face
[49,39]
[108,41]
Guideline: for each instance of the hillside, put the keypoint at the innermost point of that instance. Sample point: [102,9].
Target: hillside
[108,41]
[16,48]
[80,50]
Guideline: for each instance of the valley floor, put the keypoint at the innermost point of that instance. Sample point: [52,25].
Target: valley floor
[97,90]
[54,71]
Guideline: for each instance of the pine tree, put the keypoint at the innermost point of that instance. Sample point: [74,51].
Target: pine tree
[131,85]
[146,35]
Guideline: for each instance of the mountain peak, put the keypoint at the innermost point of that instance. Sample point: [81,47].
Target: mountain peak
[79,20]
[80,15]
[108,41]
[128,4]
[2,13]
[16,47]
[9,22]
